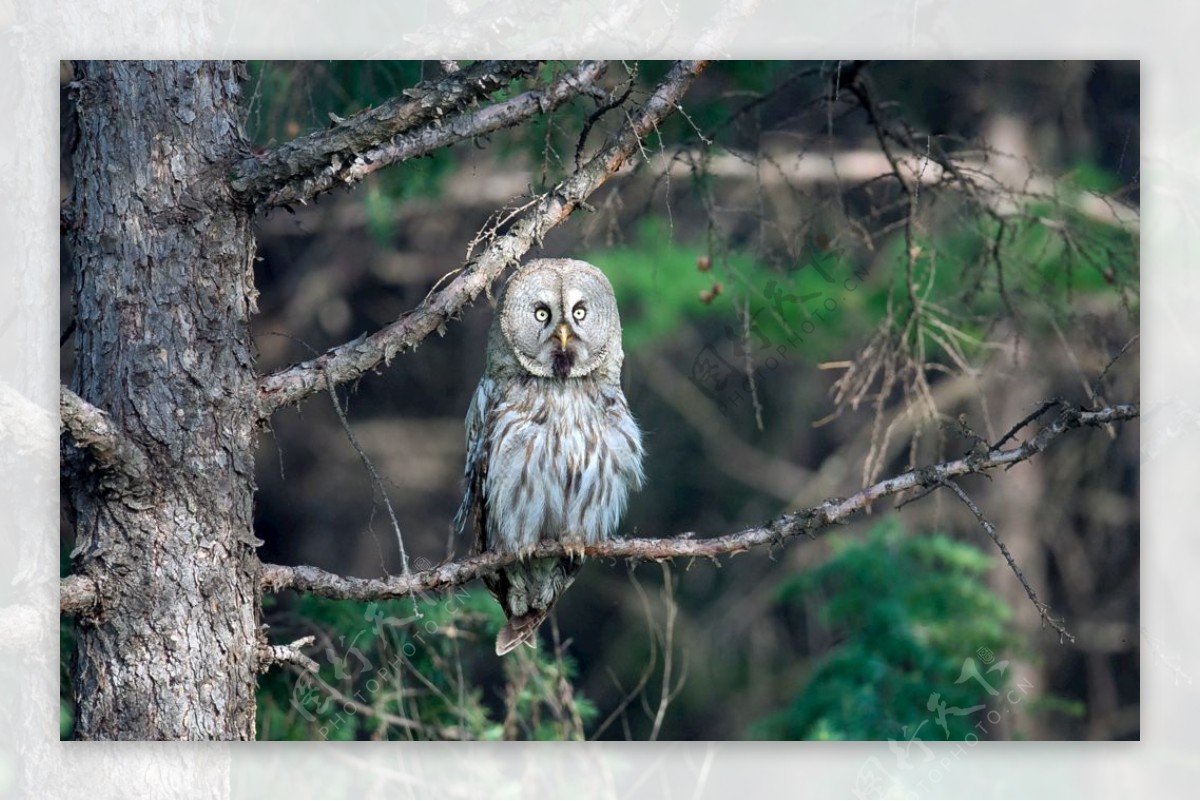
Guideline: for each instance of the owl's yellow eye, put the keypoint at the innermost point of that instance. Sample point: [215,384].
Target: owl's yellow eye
[541,314]
[579,313]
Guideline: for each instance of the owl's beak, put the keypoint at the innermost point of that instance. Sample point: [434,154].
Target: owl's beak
[563,335]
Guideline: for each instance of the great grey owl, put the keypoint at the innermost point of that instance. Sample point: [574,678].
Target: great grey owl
[552,450]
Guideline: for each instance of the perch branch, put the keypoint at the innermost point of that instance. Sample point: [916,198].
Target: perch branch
[79,592]
[298,170]
[93,431]
[351,360]
[805,521]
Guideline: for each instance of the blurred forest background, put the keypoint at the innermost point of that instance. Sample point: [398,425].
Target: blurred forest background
[882,323]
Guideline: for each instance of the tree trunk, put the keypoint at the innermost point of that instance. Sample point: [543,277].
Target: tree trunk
[163,263]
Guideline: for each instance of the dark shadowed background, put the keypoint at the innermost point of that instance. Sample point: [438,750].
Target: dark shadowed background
[762,226]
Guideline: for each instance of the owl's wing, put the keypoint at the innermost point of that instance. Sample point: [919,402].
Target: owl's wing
[475,473]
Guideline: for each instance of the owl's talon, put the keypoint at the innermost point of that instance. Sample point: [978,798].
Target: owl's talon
[574,549]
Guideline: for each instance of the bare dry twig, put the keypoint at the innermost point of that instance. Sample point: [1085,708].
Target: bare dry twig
[1042,608]
[667,692]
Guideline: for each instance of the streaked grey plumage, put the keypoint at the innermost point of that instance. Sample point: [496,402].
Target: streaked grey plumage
[552,449]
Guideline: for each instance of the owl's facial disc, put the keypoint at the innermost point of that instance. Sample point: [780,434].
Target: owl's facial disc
[560,318]
[562,347]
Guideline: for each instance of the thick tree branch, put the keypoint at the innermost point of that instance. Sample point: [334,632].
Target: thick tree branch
[349,361]
[348,166]
[285,174]
[93,431]
[806,521]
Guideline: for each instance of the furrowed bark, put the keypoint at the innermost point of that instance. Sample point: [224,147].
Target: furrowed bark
[164,285]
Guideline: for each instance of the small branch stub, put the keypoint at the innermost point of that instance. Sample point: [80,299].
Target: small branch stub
[77,595]
[93,431]
[287,654]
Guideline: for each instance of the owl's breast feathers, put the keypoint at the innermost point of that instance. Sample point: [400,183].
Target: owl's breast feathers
[547,460]
[562,457]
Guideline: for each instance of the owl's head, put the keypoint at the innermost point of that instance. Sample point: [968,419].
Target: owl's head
[559,317]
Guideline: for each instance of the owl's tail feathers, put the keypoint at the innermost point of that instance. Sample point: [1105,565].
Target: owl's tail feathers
[520,629]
